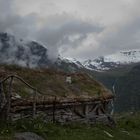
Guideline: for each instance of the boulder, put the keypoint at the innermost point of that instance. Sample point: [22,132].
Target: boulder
[27,136]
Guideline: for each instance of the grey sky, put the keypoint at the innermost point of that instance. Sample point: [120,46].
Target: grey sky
[74,28]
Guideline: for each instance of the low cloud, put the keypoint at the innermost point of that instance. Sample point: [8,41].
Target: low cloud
[69,32]
[92,30]
[12,22]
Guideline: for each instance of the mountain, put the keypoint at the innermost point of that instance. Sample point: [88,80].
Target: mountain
[112,61]
[24,53]
[35,55]
[31,54]
[125,83]
[127,90]
[68,65]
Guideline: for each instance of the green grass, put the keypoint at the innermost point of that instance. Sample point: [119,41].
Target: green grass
[128,128]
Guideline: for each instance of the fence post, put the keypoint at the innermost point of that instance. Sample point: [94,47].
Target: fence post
[34,103]
[1,98]
[54,107]
[9,98]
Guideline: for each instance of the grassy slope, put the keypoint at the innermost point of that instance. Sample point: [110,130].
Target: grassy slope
[127,128]
[127,86]
[109,77]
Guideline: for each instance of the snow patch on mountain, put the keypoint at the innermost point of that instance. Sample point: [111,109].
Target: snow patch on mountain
[73,60]
[33,54]
[124,57]
[113,60]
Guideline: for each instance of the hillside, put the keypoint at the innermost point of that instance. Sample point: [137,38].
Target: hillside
[128,90]
[125,81]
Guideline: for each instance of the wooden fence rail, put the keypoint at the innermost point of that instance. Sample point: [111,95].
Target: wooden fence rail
[6,99]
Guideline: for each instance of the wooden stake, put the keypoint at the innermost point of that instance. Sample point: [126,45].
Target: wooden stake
[54,107]
[9,99]
[34,103]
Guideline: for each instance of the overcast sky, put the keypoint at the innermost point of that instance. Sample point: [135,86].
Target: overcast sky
[74,28]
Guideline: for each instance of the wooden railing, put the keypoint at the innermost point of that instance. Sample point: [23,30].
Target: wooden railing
[5,100]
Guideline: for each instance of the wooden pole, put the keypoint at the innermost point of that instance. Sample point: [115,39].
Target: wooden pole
[34,103]
[85,110]
[54,107]
[9,99]
[1,98]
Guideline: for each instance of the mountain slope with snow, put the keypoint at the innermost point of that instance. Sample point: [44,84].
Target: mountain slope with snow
[113,60]
[31,54]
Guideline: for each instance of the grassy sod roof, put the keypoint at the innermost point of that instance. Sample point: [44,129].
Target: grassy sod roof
[52,82]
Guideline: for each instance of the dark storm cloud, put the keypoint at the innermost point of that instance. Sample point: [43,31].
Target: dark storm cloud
[75,35]
[58,33]
[7,18]
[13,23]
[126,36]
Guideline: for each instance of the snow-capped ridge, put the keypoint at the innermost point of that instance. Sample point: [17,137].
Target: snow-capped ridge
[114,60]
[33,54]
[72,61]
